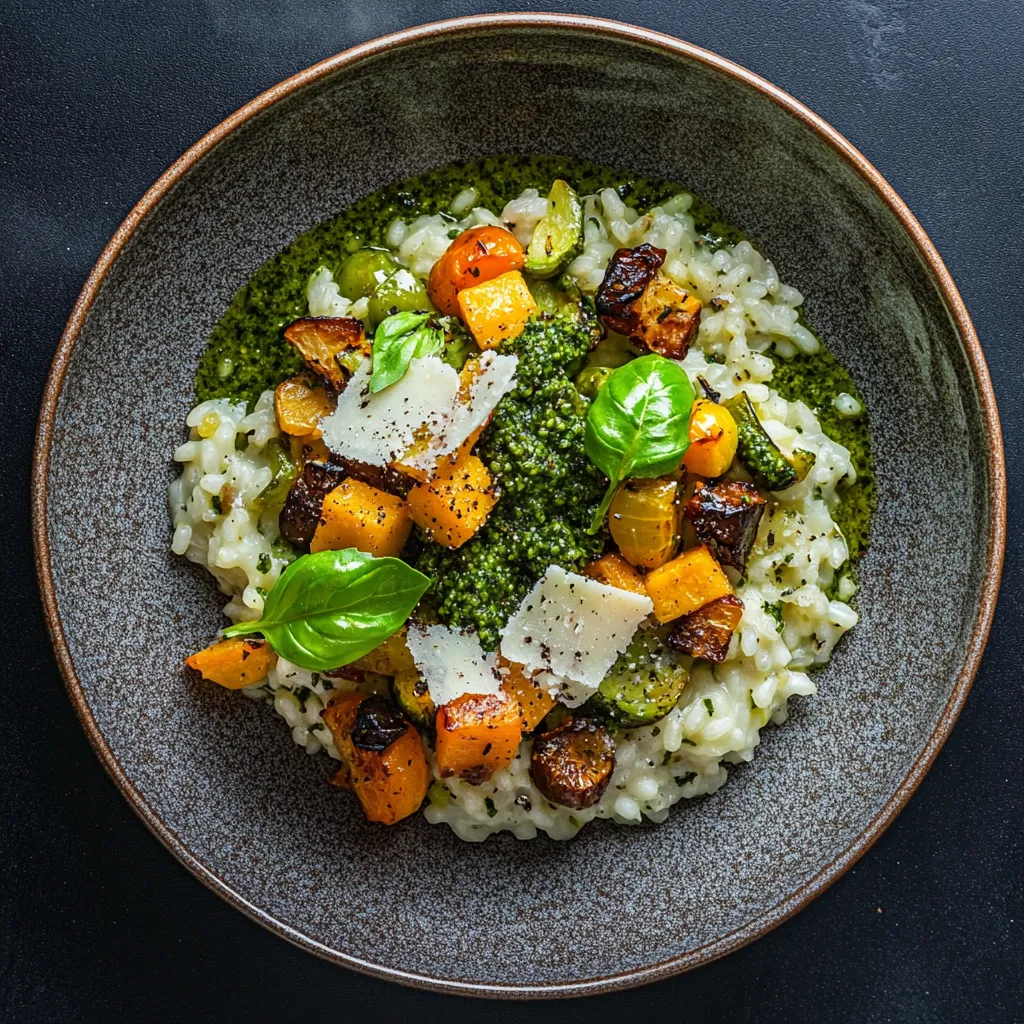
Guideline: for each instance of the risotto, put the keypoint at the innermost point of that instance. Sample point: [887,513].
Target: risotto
[523,520]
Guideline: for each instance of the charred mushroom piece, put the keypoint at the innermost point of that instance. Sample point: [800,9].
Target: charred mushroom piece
[331,346]
[384,478]
[706,632]
[628,273]
[378,724]
[669,317]
[301,512]
[725,517]
[573,763]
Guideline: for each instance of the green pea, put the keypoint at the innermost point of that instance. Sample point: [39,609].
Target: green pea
[591,379]
[363,271]
[399,292]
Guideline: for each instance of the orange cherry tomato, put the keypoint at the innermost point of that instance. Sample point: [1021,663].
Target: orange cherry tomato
[478,254]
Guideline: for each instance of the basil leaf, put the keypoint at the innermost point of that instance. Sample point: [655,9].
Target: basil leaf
[639,424]
[399,340]
[332,607]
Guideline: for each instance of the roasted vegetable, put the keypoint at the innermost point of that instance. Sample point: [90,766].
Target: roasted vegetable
[725,517]
[760,454]
[363,271]
[331,346]
[685,584]
[643,519]
[400,292]
[300,403]
[561,296]
[477,736]
[384,478]
[642,686]
[306,448]
[382,755]
[232,663]
[478,254]
[452,506]
[573,763]
[558,236]
[628,273]
[614,571]
[713,439]
[534,701]
[284,470]
[591,379]
[706,632]
[413,697]
[390,658]
[356,515]
[497,309]
[300,515]
[668,318]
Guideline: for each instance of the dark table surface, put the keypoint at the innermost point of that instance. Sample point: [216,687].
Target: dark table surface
[97,920]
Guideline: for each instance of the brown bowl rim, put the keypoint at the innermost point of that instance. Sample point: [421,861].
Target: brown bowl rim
[994,555]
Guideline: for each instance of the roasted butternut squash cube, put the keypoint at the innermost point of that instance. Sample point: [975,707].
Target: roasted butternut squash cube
[614,571]
[393,656]
[452,506]
[356,515]
[477,736]
[497,309]
[299,404]
[534,702]
[687,583]
[233,663]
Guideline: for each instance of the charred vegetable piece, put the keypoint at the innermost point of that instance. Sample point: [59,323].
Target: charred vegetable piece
[713,439]
[591,379]
[384,478]
[497,310]
[725,517]
[390,780]
[628,273]
[644,520]
[300,403]
[760,454]
[534,702]
[478,254]
[331,346]
[300,515]
[477,736]
[668,320]
[572,764]
[614,571]
[233,663]
[687,583]
[412,696]
[642,686]
[706,632]
[356,515]
[558,236]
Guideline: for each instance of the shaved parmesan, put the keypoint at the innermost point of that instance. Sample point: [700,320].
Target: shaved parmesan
[574,628]
[452,664]
[429,413]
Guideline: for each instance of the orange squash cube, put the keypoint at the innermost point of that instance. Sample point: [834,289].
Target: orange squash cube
[477,736]
[534,703]
[614,571]
[455,504]
[687,583]
[356,515]
[497,309]
[233,663]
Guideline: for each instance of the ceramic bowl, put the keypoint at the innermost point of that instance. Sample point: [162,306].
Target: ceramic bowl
[217,778]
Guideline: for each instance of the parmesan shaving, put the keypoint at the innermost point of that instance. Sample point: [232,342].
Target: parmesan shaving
[452,664]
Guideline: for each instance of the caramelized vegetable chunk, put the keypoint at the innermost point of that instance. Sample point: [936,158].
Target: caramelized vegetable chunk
[685,584]
[384,478]
[534,702]
[479,254]
[300,515]
[412,695]
[767,463]
[299,404]
[497,309]
[356,515]
[668,318]
[643,519]
[725,517]
[706,632]
[307,448]
[455,504]
[713,439]
[627,275]
[614,571]
[381,753]
[477,736]
[331,346]
[232,663]
[393,656]
[573,763]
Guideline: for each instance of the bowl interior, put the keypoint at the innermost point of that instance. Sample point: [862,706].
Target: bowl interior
[218,776]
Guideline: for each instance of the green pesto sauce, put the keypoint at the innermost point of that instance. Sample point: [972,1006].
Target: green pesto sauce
[247,353]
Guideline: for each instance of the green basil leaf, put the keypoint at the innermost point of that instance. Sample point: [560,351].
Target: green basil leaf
[639,424]
[399,340]
[332,607]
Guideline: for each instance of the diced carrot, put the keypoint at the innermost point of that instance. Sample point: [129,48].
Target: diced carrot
[233,663]
[477,736]
[452,506]
[476,255]
[498,309]
[356,515]
[534,702]
[300,403]
[614,571]
[687,583]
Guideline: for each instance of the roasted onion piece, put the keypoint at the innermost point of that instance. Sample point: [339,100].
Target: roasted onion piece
[572,764]
[628,273]
[331,346]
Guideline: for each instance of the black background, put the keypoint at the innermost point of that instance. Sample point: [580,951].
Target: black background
[97,921]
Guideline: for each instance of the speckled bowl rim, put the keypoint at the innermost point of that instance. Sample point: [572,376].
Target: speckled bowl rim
[996,475]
